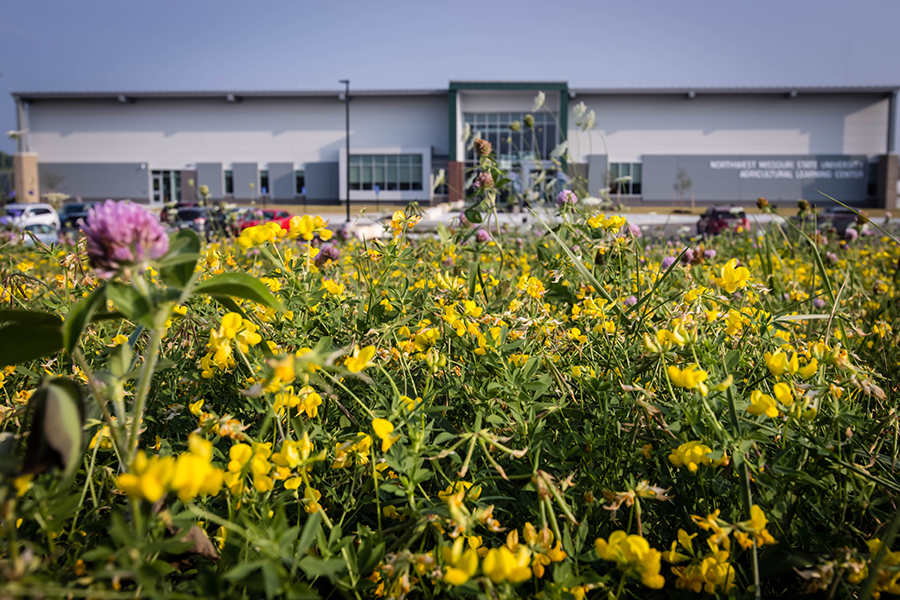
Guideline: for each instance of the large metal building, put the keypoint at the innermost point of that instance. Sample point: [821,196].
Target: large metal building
[728,145]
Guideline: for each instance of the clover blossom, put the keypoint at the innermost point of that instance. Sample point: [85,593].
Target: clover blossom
[121,235]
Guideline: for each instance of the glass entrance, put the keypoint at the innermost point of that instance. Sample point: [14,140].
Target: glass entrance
[166,186]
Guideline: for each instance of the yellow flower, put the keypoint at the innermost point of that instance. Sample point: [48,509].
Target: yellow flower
[383,429]
[694,454]
[360,359]
[632,553]
[501,564]
[762,404]
[733,277]
[809,369]
[784,394]
[690,378]
[461,563]
[118,340]
[531,286]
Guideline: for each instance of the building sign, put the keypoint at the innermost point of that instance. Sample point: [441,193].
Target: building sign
[793,169]
[736,178]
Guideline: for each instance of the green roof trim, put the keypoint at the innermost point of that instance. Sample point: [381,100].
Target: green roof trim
[513,86]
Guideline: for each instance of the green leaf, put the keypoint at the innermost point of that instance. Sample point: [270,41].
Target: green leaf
[310,529]
[130,302]
[177,267]
[473,216]
[23,342]
[56,428]
[29,317]
[80,315]
[238,285]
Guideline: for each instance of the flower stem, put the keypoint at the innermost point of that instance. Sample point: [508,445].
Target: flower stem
[143,387]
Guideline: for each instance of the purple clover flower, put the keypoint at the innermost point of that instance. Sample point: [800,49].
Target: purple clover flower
[122,235]
[566,197]
[818,303]
[831,257]
[851,234]
[630,301]
[688,256]
[483,236]
[326,253]
[709,254]
[668,262]
[635,230]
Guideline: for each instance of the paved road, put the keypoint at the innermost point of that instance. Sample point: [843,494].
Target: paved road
[667,225]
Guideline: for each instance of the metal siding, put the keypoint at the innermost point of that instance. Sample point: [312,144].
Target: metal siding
[633,126]
[212,176]
[596,173]
[281,180]
[179,133]
[727,185]
[99,181]
[321,181]
[244,174]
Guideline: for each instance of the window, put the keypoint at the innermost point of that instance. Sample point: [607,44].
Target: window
[299,182]
[525,144]
[872,181]
[625,187]
[229,182]
[263,182]
[391,172]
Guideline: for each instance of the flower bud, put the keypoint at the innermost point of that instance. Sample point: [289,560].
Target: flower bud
[529,121]
[482,147]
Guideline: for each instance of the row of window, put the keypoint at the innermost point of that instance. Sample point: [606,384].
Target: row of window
[387,171]
[625,186]
[299,182]
[516,143]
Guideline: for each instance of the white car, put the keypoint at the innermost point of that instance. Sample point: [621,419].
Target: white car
[23,215]
[41,232]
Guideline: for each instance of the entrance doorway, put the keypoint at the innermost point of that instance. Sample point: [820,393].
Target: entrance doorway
[166,186]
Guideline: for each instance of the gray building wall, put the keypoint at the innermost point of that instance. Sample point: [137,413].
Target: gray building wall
[322,181]
[98,181]
[727,178]
[244,174]
[212,176]
[281,180]
[597,166]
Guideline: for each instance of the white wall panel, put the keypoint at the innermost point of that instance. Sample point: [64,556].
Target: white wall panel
[174,133]
[719,124]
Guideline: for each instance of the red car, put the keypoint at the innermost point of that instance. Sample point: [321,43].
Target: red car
[258,217]
[722,218]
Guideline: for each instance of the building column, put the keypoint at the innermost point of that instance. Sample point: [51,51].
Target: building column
[456,181]
[25,177]
[888,174]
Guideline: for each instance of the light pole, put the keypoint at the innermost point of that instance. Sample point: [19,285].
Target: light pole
[346,83]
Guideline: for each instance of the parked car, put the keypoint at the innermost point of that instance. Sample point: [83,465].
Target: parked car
[838,217]
[258,217]
[722,218]
[42,232]
[70,214]
[22,215]
[206,221]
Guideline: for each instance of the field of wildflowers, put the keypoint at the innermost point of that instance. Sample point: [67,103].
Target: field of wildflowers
[575,412]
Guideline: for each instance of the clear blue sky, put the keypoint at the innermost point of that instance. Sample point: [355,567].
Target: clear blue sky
[190,45]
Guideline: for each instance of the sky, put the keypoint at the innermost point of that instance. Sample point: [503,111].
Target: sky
[50,45]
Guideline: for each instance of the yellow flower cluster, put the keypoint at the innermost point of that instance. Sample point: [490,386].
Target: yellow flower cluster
[234,330]
[356,449]
[633,555]
[733,277]
[189,475]
[692,377]
[611,223]
[399,222]
[306,401]
[693,454]
[531,286]
[260,234]
[307,227]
